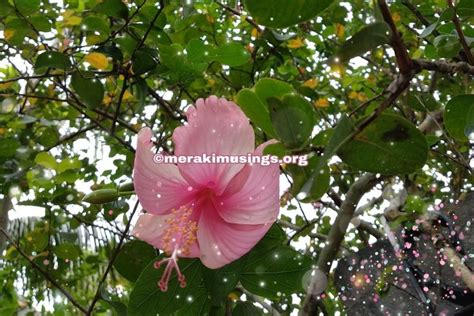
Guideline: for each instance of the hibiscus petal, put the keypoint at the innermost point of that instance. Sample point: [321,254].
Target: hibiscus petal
[159,187]
[220,242]
[253,194]
[215,126]
[150,228]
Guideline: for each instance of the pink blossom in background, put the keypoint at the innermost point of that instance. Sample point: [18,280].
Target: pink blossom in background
[215,212]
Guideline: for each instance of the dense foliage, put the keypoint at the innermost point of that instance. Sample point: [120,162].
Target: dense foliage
[378,95]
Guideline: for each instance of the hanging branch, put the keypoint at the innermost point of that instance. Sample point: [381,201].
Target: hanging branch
[336,236]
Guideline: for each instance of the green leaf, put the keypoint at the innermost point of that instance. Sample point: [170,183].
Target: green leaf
[276,149]
[119,307]
[8,147]
[27,7]
[275,271]
[424,102]
[140,92]
[53,60]
[322,138]
[95,24]
[143,62]
[133,258]
[292,119]
[459,117]
[268,87]
[196,304]
[246,309]
[232,54]
[47,136]
[340,136]
[114,8]
[429,29]
[46,160]
[368,38]
[37,240]
[447,46]
[414,204]
[7,8]
[41,23]
[255,110]
[90,90]
[197,51]
[301,174]
[146,297]
[284,13]
[18,30]
[389,145]
[219,282]
[69,164]
[67,251]
[465,8]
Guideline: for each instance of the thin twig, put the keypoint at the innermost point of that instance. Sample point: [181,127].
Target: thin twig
[418,14]
[112,260]
[235,12]
[261,301]
[119,102]
[462,38]
[44,273]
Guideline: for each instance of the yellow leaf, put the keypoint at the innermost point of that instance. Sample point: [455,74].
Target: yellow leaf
[337,70]
[127,95]
[137,126]
[233,296]
[51,90]
[321,103]
[70,20]
[340,31]
[32,100]
[93,39]
[311,83]
[73,20]
[5,86]
[97,60]
[361,97]
[3,130]
[210,19]
[295,43]
[211,82]
[353,95]
[107,100]
[396,16]
[254,33]
[8,33]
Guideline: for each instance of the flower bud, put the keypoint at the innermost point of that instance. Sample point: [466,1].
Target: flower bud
[101,196]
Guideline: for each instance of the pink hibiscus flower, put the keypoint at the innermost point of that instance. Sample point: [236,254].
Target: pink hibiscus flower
[215,212]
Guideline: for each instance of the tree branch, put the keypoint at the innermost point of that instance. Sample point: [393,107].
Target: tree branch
[336,235]
[444,67]
[404,62]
